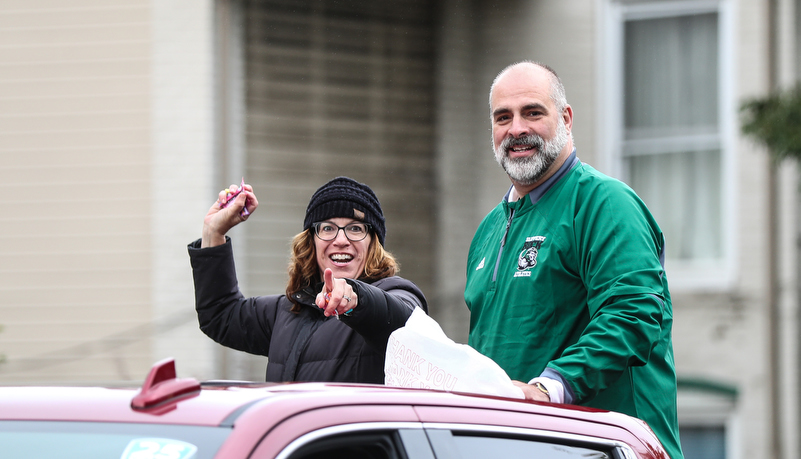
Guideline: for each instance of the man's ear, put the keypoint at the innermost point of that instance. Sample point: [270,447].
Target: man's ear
[567,116]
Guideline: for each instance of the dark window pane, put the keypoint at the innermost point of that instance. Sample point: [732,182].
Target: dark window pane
[478,447]
[703,442]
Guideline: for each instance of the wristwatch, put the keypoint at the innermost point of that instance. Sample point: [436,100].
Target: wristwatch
[542,389]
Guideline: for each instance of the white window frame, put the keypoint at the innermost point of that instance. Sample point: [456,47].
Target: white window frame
[697,275]
[708,407]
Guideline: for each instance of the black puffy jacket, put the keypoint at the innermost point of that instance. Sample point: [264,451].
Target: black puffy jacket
[307,346]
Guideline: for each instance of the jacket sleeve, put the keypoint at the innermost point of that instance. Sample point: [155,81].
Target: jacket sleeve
[384,306]
[628,303]
[623,334]
[224,314]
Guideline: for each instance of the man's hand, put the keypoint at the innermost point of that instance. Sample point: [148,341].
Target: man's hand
[532,392]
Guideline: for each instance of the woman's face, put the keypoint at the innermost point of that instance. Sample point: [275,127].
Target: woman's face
[346,258]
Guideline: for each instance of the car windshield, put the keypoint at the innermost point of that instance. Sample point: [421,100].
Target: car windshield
[95,440]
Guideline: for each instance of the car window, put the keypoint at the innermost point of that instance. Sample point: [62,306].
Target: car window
[95,440]
[360,445]
[486,447]
[475,445]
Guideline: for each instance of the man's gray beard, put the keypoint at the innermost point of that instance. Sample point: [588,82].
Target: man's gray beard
[528,170]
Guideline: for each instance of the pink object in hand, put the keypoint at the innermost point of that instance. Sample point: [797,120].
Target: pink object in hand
[231,196]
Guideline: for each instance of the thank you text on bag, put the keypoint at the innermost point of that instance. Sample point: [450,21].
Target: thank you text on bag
[420,355]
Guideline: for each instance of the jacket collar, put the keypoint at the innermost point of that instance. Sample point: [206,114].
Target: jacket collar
[536,194]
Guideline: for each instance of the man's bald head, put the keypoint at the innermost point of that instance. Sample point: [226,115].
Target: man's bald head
[557,88]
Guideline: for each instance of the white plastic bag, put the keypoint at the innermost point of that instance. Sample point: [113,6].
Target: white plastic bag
[420,355]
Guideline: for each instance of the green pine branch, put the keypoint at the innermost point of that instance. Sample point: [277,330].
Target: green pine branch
[775,122]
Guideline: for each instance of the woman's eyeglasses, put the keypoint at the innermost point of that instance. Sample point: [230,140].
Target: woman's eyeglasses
[328,231]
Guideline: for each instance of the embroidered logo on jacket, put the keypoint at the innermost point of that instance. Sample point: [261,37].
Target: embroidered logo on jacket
[528,256]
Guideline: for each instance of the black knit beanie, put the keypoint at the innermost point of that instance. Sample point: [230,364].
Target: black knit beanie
[344,197]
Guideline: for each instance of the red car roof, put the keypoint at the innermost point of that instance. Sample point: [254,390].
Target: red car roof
[256,408]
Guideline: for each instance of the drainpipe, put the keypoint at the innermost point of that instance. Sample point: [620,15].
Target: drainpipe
[774,293]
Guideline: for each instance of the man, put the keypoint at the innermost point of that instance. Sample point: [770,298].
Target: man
[565,283]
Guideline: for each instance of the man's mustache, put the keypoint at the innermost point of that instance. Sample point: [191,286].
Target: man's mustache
[530,141]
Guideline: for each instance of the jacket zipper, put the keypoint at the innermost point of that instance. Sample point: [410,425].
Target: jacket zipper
[503,243]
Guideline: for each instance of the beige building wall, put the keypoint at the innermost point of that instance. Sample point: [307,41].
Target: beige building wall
[75,142]
[105,122]
[183,172]
[725,336]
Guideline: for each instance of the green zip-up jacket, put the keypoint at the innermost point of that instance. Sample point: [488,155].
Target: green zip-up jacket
[569,278]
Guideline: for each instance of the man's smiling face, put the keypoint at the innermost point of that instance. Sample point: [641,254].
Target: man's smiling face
[528,131]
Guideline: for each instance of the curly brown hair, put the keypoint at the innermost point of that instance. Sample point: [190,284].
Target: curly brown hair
[304,271]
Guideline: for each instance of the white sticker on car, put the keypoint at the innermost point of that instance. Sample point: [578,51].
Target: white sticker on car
[158,448]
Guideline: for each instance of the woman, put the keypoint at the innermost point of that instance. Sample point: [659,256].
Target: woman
[342,301]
